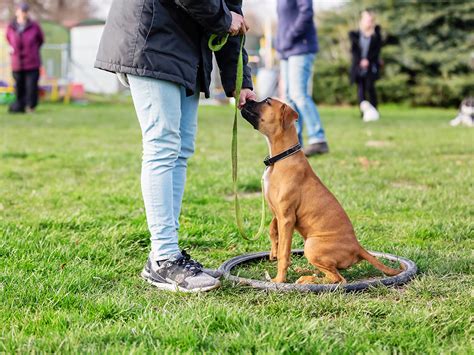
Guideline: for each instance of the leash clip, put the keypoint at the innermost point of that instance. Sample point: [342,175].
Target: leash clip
[267,161]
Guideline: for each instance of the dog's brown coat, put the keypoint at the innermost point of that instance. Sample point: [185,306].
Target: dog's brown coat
[299,200]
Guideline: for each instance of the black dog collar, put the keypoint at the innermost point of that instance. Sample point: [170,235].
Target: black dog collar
[272,160]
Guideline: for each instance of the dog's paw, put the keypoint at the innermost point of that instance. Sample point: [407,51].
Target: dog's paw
[304,280]
[273,256]
[278,280]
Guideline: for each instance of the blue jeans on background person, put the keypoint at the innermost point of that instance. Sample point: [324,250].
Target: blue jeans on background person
[168,121]
[296,72]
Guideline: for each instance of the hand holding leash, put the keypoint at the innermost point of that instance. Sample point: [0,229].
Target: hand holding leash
[238,25]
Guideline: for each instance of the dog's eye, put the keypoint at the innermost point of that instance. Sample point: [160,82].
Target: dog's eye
[267,101]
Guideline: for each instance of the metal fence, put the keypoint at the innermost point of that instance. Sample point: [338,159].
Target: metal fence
[55,59]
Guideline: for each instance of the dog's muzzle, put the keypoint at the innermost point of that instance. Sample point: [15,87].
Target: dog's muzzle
[248,112]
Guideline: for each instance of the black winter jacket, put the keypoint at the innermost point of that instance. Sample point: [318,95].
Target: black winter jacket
[168,40]
[373,55]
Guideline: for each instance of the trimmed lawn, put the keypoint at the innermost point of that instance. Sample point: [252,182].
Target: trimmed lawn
[74,237]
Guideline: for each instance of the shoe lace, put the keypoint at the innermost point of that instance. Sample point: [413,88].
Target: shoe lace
[189,264]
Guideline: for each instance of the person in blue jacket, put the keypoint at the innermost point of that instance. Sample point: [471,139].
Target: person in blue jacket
[297,44]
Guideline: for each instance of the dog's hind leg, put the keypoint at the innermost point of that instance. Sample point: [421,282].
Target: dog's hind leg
[274,239]
[322,262]
[303,280]
[311,279]
[332,275]
[304,270]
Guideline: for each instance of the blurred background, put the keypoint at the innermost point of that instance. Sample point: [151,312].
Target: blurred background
[428,53]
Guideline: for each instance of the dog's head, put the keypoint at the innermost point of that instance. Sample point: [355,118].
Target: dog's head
[270,116]
[467,106]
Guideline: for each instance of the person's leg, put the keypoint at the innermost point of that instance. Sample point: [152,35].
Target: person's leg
[19,104]
[371,91]
[285,80]
[361,89]
[188,128]
[31,88]
[158,107]
[299,73]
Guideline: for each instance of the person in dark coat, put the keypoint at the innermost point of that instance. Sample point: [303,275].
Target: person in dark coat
[297,44]
[366,44]
[25,38]
[160,49]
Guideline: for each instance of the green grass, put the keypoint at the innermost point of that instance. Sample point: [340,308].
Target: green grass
[73,237]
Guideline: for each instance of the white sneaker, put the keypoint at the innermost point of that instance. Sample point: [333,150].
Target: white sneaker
[369,112]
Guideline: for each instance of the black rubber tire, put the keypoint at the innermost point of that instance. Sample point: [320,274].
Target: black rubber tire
[406,275]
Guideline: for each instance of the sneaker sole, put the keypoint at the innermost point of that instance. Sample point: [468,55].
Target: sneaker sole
[308,155]
[175,288]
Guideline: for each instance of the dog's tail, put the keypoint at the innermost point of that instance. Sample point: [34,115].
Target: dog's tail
[364,254]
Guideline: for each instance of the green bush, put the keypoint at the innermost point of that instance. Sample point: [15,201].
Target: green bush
[394,88]
[442,92]
[331,83]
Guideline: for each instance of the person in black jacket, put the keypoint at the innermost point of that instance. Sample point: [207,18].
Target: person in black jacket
[160,49]
[366,44]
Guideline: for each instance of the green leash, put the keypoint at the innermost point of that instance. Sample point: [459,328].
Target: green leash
[216,46]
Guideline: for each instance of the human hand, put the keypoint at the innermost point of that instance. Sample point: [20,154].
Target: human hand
[246,95]
[364,63]
[238,25]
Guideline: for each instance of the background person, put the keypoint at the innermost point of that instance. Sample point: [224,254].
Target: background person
[297,44]
[161,49]
[25,38]
[366,44]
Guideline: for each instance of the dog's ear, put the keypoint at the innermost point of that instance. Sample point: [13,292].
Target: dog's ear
[288,116]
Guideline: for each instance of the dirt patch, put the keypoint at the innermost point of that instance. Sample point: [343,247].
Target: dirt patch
[378,144]
[404,184]
[366,163]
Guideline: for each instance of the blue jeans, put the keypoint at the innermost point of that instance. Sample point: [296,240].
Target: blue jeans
[297,72]
[168,120]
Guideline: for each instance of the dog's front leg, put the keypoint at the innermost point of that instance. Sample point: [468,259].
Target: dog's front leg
[274,239]
[286,226]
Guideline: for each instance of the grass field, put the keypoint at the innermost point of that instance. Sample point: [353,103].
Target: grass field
[74,237]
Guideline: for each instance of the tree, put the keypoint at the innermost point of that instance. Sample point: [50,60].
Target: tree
[60,11]
[428,53]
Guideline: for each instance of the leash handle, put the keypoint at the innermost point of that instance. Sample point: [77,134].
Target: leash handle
[216,46]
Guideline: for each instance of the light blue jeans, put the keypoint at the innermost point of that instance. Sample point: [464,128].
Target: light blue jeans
[297,72]
[168,120]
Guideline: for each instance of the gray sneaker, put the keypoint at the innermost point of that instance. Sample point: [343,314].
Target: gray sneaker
[178,274]
[215,273]
[316,148]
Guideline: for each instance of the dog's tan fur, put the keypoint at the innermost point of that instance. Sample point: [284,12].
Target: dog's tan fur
[299,200]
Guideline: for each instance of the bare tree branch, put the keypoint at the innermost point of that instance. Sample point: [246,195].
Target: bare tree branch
[60,11]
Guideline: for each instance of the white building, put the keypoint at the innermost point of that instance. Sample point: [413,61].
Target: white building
[85,40]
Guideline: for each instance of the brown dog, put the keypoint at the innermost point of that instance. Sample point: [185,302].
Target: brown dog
[299,200]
